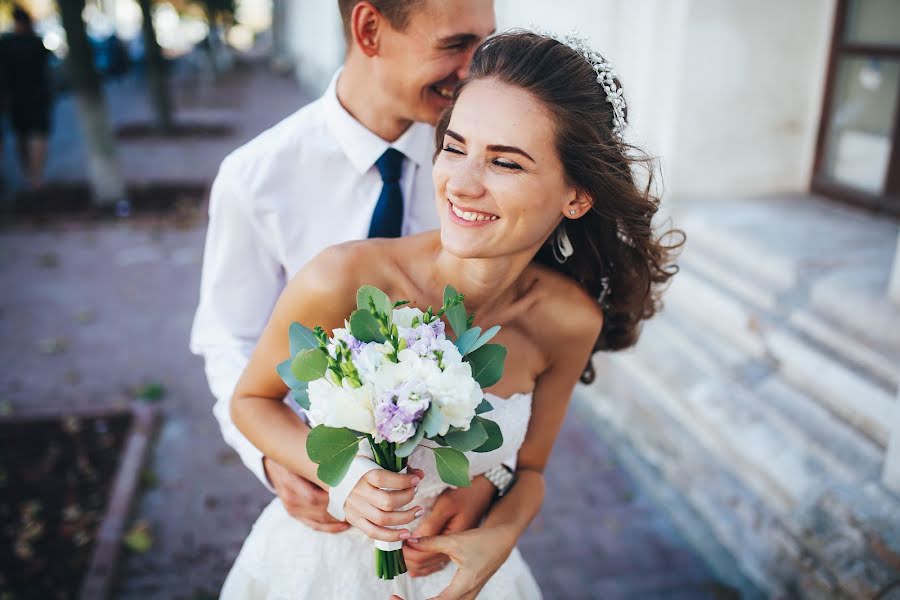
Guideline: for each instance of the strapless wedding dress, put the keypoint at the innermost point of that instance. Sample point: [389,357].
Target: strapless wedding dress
[282,559]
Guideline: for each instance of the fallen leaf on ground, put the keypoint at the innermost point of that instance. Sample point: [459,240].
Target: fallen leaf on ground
[139,538]
[53,345]
[48,260]
[149,479]
[85,316]
[151,392]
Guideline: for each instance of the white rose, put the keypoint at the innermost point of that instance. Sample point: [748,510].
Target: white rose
[451,356]
[341,333]
[404,316]
[370,360]
[341,406]
[411,367]
[456,394]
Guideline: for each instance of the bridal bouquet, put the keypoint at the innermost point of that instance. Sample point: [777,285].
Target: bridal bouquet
[392,378]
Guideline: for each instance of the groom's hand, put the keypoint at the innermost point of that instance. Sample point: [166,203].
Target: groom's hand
[454,511]
[303,500]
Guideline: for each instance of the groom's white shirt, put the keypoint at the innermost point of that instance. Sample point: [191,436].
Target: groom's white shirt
[305,184]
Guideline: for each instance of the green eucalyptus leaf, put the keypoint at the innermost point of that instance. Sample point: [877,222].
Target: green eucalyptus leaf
[301,338]
[484,407]
[467,440]
[488,336]
[452,466]
[301,397]
[406,448]
[382,302]
[494,435]
[465,342]
[456,315]
[333,448]
[487,364]
[433,421]
[364,327]
[309,365]
[287,375]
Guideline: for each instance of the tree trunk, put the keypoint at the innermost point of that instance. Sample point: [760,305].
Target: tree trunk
[157,77]
[281,52]
[104,174]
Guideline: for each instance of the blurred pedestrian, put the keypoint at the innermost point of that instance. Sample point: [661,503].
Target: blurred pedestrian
[25,64]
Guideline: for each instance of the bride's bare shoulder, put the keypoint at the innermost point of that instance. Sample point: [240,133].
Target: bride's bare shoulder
[370,261]
[563,309]
[330,280]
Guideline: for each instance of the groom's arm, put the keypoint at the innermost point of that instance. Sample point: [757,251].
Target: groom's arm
[242,279]
[240,283]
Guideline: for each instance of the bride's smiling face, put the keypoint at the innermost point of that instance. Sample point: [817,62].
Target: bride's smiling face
[499,182]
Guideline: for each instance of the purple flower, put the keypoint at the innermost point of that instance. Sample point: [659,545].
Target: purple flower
[422,338]
[399,411]
[355,345]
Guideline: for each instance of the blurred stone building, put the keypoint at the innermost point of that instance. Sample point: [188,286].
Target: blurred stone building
[761,406]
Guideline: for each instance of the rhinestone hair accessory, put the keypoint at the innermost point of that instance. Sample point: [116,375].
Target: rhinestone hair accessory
[606,75]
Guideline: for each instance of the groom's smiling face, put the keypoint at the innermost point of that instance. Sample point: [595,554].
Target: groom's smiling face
[430,55]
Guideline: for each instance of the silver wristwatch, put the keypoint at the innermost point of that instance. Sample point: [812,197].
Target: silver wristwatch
[502,477]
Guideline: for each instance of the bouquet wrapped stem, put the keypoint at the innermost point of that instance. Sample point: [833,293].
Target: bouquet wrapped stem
[388,563]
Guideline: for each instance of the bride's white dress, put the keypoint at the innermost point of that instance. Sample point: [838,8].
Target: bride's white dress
[282,559]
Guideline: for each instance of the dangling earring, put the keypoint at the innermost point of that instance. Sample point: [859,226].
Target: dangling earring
[562,246]
[604,290]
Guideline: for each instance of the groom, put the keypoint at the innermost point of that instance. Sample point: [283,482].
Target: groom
[355,163]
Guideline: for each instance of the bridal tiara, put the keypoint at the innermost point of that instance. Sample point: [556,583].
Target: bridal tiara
[606,75]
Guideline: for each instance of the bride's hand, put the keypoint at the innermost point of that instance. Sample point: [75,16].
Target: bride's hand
[372,505]
[478,553]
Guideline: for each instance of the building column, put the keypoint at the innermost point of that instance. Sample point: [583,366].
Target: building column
[891,476]
[281,51]
[894,286]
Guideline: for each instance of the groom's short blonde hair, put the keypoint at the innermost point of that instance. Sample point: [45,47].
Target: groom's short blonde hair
[396,12]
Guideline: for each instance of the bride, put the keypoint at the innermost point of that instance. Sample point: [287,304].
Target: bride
[547,233]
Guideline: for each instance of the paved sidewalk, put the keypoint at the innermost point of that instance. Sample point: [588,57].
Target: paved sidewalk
[91,313]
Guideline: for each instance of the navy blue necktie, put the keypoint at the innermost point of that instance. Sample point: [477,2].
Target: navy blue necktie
[387,220]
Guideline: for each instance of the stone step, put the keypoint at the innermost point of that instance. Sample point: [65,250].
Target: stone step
[809,362]
[837,312]
[843,449]
[760,267]
[855,399]
[837,548]
[752,456]
[777,461]
[714,310]
[713,508]
[883,365]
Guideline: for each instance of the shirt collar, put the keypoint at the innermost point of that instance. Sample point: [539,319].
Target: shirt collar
[362,146]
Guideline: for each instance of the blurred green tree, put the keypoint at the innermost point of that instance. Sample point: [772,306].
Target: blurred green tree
[157,72]
[104,174]
[219,13]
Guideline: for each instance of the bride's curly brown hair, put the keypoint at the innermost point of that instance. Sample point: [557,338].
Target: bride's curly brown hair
[618,256]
